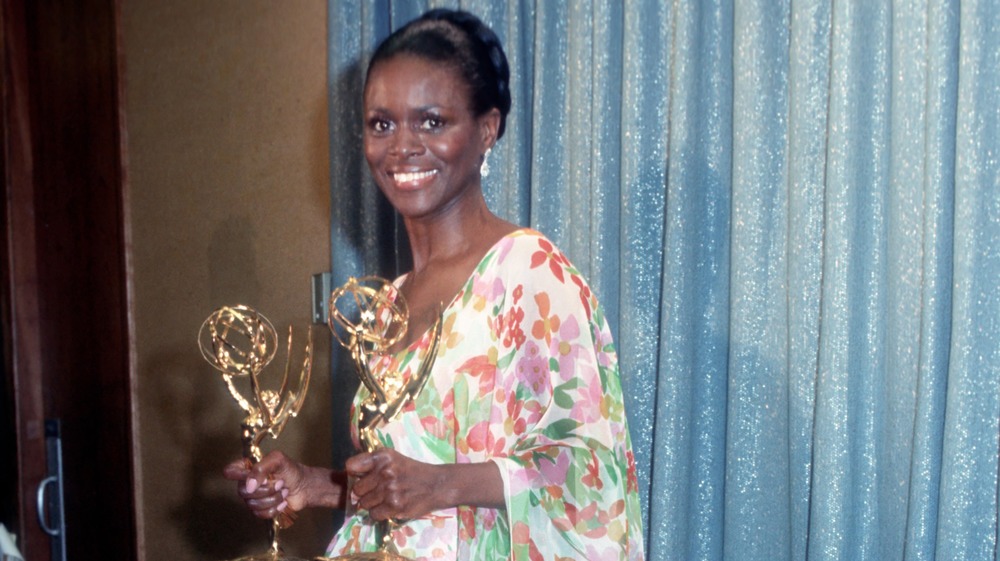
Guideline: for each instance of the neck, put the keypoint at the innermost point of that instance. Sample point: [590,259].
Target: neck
[451,235]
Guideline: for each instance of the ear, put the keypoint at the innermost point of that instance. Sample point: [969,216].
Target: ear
[489,124]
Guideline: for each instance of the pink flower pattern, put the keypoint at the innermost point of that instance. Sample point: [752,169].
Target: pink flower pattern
[528,379]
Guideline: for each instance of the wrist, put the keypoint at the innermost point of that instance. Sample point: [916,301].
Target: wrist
[448,479]
[323,488]
[477,485]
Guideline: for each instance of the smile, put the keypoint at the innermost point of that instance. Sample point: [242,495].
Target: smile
[413,176]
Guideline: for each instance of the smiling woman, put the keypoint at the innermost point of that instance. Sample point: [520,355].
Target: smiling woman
[518,446]
[422,141]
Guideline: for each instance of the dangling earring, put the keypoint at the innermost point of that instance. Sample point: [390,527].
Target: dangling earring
[484,170]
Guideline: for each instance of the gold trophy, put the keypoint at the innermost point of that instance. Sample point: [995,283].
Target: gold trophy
[368,316]
[240,342]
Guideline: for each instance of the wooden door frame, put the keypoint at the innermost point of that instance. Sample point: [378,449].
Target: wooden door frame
[22,345]
[66,290]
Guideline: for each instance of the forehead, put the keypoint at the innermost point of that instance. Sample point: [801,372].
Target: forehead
[414,82]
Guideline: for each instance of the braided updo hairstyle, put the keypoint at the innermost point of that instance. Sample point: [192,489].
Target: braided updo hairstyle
[462,40]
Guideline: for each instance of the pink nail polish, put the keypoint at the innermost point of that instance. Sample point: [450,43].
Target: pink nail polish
[251,485]
[282,506]
[279,484]
[284,493]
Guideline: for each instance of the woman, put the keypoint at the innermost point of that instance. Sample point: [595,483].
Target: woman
[517,447]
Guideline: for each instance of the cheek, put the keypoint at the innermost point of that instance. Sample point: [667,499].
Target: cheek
[450,150]
[373,152]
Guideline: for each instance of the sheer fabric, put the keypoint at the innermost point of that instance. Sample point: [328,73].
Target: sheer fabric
[524,376]
[791,214]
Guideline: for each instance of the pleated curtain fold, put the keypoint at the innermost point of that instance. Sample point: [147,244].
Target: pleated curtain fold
[791,214]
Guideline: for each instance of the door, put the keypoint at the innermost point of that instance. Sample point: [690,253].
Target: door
[65,323]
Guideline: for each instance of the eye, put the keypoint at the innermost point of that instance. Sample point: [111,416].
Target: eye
[432,123]
[378,125]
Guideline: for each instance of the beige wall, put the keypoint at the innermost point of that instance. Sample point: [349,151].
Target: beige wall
[228,171]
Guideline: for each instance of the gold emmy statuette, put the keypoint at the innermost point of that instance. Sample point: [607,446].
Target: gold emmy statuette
[240,342]
[368,316]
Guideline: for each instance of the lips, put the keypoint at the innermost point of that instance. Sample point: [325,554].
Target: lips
[413,178]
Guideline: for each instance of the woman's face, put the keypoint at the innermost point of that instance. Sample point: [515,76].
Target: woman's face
[422,142]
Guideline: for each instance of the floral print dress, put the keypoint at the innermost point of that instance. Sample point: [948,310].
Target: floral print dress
[527,377]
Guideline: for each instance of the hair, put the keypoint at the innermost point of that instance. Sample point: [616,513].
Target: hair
[461,40]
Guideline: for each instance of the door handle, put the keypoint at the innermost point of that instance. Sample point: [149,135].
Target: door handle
[43,512]
[51,515]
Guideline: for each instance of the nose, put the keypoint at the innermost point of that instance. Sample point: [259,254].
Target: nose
[407,143]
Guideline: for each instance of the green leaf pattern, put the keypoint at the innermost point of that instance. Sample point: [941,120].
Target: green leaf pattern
[527,377]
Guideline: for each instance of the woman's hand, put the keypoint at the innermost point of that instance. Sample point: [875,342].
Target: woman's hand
[391,485]
[277,483]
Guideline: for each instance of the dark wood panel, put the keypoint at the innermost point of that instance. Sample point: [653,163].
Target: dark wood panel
[22,350]
[69,276]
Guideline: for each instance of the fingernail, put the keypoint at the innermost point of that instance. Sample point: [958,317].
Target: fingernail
[279,484]
[251,485]
[282,506]
[284,493]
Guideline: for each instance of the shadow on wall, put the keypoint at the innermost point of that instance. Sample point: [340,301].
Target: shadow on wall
[232,261]
[199,423]
[204,435]
[199,444]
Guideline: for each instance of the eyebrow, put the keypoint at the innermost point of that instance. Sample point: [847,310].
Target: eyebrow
[416,110]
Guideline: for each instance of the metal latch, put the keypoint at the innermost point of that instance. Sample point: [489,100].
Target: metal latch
[51,516]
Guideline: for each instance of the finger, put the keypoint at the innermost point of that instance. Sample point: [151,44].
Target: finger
[359,465]
[272,461]
[373,478]
[264,470]
[272,501]
[388,508]
[265,513]
[254,489]
[370,498]
[362,486]
[385,496]
[272,467]
[235,471]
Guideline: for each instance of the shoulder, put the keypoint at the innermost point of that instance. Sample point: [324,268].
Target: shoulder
[526,250]
[534,264]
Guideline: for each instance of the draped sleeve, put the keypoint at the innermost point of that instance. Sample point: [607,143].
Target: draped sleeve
[558,432]
[526,377]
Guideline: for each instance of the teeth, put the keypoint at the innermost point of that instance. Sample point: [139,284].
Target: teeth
[414,176]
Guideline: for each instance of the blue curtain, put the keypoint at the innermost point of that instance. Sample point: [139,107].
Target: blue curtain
[791,212]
